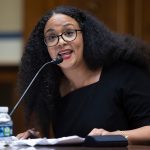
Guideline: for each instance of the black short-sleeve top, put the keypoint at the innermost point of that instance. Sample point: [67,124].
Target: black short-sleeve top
[120,100]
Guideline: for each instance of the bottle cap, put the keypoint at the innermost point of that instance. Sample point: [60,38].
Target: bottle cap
[4,109]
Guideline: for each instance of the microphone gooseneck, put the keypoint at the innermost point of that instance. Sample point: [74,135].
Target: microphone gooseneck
[55,61]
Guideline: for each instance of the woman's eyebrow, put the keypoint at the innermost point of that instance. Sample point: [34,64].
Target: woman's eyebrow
[65,25]
[68,23]
[49,30]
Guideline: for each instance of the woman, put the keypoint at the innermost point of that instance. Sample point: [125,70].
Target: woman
[102,86]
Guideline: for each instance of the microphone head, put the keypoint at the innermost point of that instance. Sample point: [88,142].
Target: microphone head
[58,60]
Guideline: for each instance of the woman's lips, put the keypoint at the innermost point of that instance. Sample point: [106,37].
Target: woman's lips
[66,54]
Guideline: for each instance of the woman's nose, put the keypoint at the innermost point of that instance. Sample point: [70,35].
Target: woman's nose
[61,41]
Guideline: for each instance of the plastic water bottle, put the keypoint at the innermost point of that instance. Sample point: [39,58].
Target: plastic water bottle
[6,124]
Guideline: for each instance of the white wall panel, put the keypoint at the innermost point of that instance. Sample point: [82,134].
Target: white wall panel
[11,27]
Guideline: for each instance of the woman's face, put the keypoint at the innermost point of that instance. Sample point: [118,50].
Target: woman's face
[70,48]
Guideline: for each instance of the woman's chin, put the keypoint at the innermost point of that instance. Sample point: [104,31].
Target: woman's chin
[67,65]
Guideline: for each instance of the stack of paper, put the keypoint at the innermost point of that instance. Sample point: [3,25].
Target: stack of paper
[45,141]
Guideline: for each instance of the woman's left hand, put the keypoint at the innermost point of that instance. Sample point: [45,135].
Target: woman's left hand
[101,131]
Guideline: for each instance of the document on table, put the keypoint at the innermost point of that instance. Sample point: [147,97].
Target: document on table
[54,141]
[105,141]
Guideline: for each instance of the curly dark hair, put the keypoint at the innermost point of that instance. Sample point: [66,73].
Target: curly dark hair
[101,48]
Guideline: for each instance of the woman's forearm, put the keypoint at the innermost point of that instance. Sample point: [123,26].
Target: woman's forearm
[137,136]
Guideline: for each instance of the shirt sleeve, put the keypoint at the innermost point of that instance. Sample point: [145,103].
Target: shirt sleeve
[137,96]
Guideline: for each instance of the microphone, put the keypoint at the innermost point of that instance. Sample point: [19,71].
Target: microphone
[55,61]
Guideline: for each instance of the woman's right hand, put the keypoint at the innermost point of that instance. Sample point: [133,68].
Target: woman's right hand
[31,133]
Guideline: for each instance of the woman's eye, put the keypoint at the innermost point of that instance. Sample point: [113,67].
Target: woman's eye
[51,37]
[69,33]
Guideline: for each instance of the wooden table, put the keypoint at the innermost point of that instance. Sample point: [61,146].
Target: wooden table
[133,147]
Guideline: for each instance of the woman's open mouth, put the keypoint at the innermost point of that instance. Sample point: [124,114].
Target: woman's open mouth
[66,54]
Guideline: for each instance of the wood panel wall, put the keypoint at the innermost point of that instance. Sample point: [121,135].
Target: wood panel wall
[9,96]
[123,16]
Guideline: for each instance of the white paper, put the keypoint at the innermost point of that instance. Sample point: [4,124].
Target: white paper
[44,141]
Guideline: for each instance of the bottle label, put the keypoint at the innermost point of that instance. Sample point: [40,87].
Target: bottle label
[6,131]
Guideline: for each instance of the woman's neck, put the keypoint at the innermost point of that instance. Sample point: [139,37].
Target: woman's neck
[79,77]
